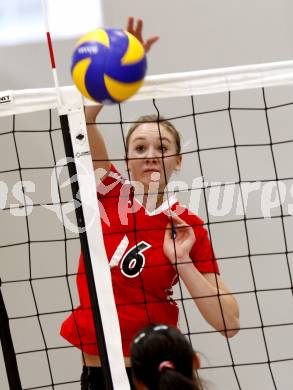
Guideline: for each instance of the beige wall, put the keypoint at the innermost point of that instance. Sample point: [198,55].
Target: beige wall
[195,34]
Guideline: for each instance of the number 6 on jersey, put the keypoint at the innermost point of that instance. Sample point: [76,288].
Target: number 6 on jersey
[133,261]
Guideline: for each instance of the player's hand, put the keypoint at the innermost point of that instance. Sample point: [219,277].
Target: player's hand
[178,240]
[135,28]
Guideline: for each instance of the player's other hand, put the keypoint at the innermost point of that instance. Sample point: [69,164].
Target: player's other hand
[135,28]
[178,241]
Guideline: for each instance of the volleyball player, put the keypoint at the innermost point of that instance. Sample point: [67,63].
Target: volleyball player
[162,358]
[148,245]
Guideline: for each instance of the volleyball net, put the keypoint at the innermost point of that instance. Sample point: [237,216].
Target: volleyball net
[236,125]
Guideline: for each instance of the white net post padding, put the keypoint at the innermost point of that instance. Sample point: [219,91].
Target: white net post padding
[99,260]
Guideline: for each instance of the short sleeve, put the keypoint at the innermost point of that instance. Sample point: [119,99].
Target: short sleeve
[110,187]
[112,177]
[202,252]
[115,197]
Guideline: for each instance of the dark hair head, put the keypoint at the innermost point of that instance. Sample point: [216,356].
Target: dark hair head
[162,358]
[155,119]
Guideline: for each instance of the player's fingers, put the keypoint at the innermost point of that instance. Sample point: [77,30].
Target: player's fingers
[177,220]
[168,227]
[130,24]
[139,27]
[169,231]
[149,43]
[179,228]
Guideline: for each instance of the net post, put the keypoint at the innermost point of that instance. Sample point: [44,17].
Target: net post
[8,348]
[97,268]
[86,255]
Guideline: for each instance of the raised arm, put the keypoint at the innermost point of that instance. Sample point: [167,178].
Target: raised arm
[97,144]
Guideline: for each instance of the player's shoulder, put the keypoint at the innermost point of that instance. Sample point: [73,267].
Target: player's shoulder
[111,181]
[114,175]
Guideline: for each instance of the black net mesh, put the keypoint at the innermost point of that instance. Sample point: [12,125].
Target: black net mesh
[236,175]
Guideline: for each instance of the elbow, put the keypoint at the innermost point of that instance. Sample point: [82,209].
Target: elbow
[232,330]
[230,333]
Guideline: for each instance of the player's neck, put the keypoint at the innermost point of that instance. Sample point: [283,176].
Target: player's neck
[152,201]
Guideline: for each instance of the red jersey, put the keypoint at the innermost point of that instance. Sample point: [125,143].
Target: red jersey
[142,276]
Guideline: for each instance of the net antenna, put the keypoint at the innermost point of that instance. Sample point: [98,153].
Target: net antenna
[51,52]
[97,269]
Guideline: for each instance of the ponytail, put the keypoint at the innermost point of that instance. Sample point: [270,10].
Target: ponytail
[171,379]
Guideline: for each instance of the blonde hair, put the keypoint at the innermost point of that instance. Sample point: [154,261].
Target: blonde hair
[160,121]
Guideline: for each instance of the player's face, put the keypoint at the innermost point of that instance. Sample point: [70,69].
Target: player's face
[151,158]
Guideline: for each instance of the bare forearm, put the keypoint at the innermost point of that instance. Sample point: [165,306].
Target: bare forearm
[96,141]
[97,147]
[217,306]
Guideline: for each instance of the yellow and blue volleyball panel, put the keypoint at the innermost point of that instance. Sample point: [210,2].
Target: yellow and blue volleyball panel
[108,65]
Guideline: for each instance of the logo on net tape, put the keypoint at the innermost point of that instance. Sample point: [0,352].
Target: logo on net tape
[4,99]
